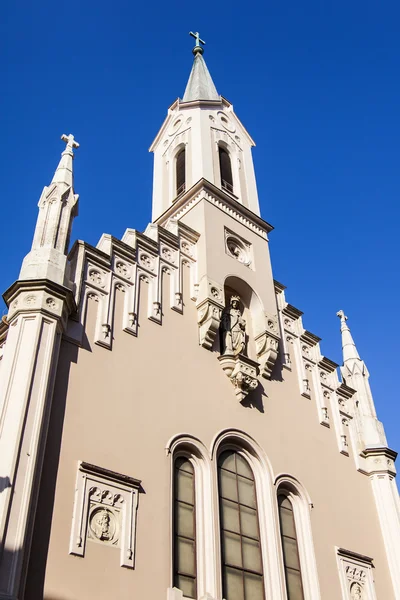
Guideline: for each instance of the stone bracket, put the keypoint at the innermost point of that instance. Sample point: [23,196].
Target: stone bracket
[242,371]
[267,347]
[208,318]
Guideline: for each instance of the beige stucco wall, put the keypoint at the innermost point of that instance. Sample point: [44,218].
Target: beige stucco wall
[118,409]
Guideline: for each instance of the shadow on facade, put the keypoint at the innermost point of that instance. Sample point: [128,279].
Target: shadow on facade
[36,568]
[4,483]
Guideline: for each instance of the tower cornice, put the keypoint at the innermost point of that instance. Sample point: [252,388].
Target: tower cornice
[204,190]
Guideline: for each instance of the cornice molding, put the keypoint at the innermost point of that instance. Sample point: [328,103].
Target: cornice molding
[204,190]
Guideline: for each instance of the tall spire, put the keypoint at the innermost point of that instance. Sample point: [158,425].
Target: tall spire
[64,173]
[200,85]
[348,345]
[355,374]
[58,206]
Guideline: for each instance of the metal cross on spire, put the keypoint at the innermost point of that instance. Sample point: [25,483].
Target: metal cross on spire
[199,41]
[71,143]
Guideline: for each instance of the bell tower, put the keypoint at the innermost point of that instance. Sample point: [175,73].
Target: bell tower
[202,138]
[204,178]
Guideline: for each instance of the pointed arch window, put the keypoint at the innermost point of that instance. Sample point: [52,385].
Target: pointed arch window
[291,559]
[242,571]
[180,172]
[185,576]
[225,168]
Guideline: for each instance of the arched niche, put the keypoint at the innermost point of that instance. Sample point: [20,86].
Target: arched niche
[252,307]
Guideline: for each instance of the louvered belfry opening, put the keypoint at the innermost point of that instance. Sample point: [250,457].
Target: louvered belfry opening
[225,170]
[180,172]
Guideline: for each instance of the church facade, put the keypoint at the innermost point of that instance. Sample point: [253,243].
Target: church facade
[169,428]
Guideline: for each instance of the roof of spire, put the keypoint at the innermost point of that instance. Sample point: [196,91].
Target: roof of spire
[200,85]
[348,345]
[64,172]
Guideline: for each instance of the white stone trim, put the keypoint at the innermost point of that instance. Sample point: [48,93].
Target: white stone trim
[355,571]
[267,508]
[388,508]
[302,505]
[196,452]
[119,495]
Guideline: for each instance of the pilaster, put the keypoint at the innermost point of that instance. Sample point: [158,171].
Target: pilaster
[382,472]
[38,311]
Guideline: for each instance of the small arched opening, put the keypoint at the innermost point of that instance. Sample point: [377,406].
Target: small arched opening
[225,168]
[180,174]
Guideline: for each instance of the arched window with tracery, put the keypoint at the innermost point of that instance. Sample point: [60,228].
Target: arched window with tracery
[241,559]
[225,168]
[185,572]
[180,164]
[290,549]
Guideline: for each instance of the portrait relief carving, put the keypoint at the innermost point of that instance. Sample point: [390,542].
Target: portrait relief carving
[233,329]
[105,511]
[103,525]
[356,591]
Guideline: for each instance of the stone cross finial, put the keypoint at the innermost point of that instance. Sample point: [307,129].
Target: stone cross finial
[70,141]
[341,316]
[197,38]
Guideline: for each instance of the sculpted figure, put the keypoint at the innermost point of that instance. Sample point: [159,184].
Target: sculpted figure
[233,329]
[356,591]
[101,525]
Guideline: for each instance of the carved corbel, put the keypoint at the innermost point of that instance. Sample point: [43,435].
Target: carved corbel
[209,309]
[242,371]
[267,346]
[208,318]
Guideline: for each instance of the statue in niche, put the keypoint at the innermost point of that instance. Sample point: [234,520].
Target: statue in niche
[356,592]
[233,329]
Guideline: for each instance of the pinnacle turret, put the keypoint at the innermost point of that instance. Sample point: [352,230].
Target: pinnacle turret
[355,375]
[58,205]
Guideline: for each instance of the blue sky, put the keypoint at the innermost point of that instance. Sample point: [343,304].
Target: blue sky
[315,83]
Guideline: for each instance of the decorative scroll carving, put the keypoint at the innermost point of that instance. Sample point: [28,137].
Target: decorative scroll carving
[242,371]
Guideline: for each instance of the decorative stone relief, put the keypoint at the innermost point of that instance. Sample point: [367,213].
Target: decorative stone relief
[238,248]
[122,269]
[187,248]
[355,571]
[96,277]
[51,303]
[242,371]
[168,254]
[30,300]
[105,511]
[146,261]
